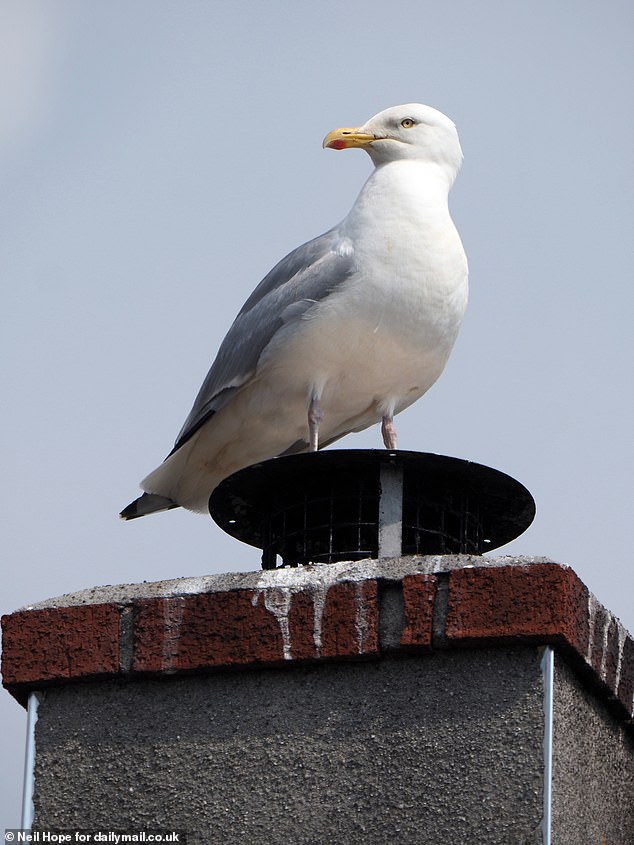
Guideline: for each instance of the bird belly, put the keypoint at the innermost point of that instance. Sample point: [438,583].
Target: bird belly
[359,369]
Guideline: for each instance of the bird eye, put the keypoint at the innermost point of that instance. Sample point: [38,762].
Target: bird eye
[407,123]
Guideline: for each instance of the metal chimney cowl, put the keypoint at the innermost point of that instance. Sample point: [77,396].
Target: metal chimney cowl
[354,504]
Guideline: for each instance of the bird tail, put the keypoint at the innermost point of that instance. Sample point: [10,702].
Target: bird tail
[147,503]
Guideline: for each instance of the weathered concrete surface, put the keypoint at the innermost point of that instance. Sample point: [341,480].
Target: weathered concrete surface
[593,768]
[388,569]
[442,748]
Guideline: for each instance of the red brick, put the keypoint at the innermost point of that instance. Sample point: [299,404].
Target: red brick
[542,602]
[612,653]
[625,690]
[301,626]
[419,592]
[242,627]
[59,643]
[350,621]
[598,623]
[204,631]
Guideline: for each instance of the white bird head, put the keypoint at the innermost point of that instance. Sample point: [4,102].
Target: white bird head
[411,131]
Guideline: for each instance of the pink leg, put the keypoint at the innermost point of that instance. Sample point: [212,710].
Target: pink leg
[388,431]
[315,416]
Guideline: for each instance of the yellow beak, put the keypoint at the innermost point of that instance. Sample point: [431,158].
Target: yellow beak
[343,139]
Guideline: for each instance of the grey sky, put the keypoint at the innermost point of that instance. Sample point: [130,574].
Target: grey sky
[157,158]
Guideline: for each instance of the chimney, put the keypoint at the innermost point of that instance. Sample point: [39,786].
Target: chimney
[422,694]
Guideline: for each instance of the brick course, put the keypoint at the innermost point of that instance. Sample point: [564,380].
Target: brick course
[302,618]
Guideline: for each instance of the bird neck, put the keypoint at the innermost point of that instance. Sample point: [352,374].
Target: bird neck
[426,178]
[413,189]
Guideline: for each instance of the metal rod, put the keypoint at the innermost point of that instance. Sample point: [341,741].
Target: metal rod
[29,763]
[390,508]
[548,673]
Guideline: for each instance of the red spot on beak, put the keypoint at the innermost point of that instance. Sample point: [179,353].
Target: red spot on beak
[337,145]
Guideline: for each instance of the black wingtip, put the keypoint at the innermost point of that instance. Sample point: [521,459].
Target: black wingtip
[145,504]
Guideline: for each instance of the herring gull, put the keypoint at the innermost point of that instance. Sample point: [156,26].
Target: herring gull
[346,331]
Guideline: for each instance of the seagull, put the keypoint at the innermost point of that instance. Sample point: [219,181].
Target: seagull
[344,332]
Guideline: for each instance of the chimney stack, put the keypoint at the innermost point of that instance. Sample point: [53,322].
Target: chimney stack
[423,694]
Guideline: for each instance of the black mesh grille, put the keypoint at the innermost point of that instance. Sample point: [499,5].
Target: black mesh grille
[324,526]
[327,507]
[450,525]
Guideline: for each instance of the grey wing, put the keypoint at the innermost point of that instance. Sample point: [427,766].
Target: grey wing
[305,276]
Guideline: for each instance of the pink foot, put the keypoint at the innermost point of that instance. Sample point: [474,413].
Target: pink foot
[388,431]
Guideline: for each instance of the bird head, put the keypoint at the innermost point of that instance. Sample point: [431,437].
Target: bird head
[412,131]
